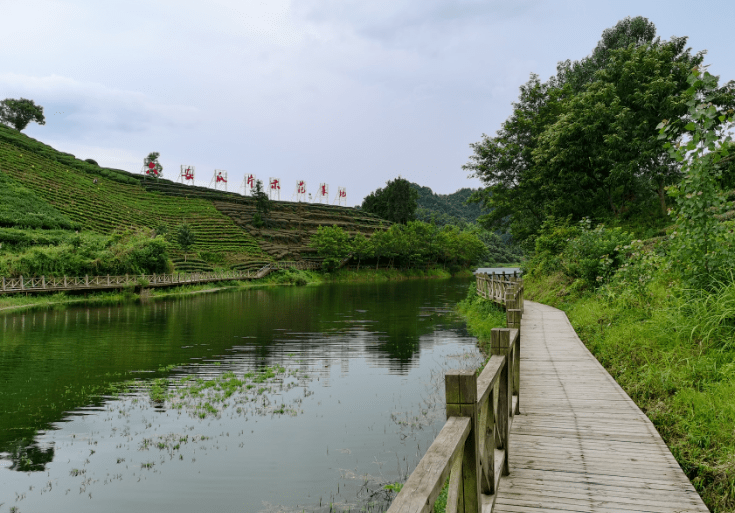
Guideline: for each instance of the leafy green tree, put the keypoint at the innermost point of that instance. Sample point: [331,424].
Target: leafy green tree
[515,195]
[262,204]
[362,247]
[703,246]
[638,31]
[185,237]
[18,113]
[333,244]
[396,202]
[584,143]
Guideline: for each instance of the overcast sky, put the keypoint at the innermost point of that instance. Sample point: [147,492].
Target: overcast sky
[344,92]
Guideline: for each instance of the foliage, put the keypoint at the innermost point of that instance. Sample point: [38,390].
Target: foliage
[638,31]
[583,143]
[117,200]
[332,244]
[481,316]
[442,209]
[18,113]
[185,237]
[702,244]
[43,152]
[92,254]
[19,206]
[579,252]
[262,203]
[396,202]
[361,248]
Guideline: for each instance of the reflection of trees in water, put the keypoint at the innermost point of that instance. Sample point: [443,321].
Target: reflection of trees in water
[43,351]
[28,457]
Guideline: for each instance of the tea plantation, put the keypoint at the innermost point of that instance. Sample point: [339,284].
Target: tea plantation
[47,198]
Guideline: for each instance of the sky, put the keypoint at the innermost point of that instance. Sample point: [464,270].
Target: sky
[342,92]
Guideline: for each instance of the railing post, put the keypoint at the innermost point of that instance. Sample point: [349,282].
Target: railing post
[22,285]
[461,396]
[43,281]
[3,282]
[86,280]
[500,345]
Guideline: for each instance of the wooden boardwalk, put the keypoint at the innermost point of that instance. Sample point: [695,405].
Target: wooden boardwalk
[580,443]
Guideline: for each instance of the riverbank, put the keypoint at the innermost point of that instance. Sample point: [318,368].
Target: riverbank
[286,277]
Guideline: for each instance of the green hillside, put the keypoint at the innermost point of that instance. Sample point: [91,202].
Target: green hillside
[52,200]
[446,208]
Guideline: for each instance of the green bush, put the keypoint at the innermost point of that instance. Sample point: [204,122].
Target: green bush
[129,253]
[580,252]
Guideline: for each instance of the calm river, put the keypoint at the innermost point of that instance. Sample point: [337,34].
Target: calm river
[280,399]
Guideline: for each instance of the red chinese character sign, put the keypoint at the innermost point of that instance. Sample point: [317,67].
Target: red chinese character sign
[151,166]
[322,195]
[300,190]
[274,188]
[187,175]
[219,179]
[248,184]
[341,197]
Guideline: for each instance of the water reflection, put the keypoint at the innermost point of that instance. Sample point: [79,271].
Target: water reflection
[369,399]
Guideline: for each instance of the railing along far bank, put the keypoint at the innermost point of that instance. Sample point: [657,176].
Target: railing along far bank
[68,283]
[473,447]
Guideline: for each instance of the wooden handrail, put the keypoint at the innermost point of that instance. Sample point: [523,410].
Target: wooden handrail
[473,447]
[50,283]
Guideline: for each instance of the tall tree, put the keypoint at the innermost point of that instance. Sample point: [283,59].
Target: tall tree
[584,143]
[18,113]
[185,237]
[515,195]
[396,202]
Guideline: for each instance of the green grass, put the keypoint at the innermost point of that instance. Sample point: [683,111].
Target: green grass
[673,352]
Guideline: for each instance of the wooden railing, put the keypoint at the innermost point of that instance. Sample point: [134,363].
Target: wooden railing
[65,283]
[473,447]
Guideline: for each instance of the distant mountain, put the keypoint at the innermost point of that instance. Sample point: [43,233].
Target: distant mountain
[446,208]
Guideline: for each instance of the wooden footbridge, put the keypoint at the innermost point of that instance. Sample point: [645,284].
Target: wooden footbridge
[89,283]
[544,429]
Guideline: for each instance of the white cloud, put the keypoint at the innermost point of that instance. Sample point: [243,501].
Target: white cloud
[91,109]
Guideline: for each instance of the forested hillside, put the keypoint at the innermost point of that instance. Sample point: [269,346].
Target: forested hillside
[446,208]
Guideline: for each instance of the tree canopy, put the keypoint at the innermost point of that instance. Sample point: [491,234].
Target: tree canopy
[396,202]
[18,113]
[585,143]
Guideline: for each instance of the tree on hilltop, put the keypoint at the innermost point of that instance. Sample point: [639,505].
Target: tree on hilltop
[18,113]
[397,202]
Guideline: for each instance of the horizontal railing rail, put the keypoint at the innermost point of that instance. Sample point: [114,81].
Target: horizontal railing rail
[65,283]
[473,448]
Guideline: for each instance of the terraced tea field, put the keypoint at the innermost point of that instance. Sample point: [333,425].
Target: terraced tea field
[105,200]
[109,205]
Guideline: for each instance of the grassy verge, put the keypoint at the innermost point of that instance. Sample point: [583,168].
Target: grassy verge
[673,352]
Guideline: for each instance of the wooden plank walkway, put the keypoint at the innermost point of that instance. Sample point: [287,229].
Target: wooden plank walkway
[580,443]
